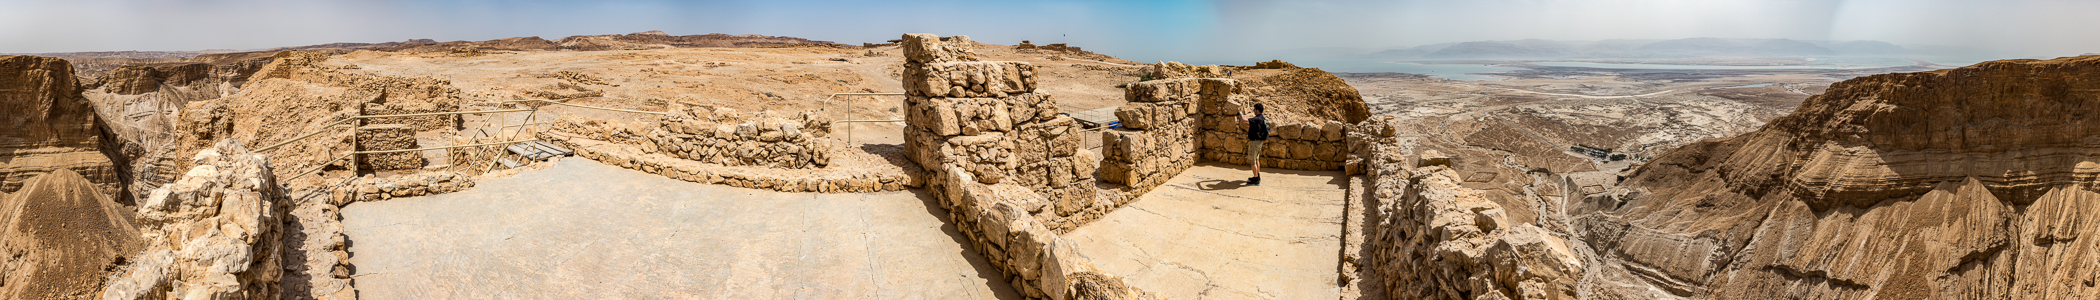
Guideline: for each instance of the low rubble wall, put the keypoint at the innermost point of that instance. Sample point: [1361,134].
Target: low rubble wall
[369,188]
[727,137]
[816,180]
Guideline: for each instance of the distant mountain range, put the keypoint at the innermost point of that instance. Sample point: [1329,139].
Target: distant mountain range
[1677,48]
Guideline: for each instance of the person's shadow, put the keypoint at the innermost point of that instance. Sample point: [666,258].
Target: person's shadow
[1218,184]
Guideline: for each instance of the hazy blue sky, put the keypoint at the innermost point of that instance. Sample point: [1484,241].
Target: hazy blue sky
[1138,30]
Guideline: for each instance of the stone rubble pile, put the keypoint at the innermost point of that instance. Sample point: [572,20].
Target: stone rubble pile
[727,137]
[214,234]
[1006,167]
[382,137]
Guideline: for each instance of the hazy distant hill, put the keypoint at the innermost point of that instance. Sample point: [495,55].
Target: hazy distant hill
[1690,47]
[1499,49]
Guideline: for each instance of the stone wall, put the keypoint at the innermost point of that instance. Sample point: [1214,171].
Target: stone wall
[727,137]
[1430,238]
[1158,139]
[1007,169]
[369,188]
[382,137]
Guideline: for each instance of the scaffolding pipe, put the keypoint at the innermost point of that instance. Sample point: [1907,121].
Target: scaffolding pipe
[849,112]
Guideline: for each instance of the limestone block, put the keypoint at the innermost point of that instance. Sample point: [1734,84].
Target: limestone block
[1301,150]
[930,48]
[1061,259]
[1029,241]
[1084,163]
[1433,158]
[996,221]
[1163,90]
[1332,131]
[1118,172]
[1277,148]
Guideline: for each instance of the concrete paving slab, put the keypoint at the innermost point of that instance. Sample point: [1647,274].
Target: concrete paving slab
[581,229]
[1205,236]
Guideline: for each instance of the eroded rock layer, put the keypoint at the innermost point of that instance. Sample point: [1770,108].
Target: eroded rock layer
[1968,183]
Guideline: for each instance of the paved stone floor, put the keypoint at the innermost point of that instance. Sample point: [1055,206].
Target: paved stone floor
[585,230]
[1204,236]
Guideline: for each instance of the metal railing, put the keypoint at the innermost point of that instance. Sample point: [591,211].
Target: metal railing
[828,104]
[493,159]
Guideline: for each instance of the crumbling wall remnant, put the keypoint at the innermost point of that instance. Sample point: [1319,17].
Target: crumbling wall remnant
[727,137]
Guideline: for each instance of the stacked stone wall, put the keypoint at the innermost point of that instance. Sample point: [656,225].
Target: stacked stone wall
[727,137]
[1002,162]
[370,188]
[382,137]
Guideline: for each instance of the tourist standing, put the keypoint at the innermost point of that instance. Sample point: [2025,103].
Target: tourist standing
[1257,132]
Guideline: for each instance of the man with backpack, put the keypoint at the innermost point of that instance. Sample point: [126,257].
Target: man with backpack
[1257,132]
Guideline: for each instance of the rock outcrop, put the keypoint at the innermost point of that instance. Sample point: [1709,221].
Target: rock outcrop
[214,234]
[1968,183]
[45,125]
[140,104]
[61,236]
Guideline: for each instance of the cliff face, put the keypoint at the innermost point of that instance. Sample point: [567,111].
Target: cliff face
[1975,182]
[141,103]
[45,125]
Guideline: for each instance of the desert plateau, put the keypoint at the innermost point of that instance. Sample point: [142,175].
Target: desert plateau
[1060,150]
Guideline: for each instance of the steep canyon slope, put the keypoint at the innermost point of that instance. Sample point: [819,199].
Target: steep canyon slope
[1968,183]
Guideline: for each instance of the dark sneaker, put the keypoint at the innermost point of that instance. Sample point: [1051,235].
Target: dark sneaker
[1254,181]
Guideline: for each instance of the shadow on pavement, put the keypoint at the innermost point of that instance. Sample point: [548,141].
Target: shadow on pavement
[1001,287]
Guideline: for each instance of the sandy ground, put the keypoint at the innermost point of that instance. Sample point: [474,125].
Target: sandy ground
[581,229]
[747,79]
[1205,236]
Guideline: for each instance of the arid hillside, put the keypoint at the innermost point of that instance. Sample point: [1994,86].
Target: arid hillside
[1968,183]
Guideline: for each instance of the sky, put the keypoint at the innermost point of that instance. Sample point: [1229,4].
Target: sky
[1136,30]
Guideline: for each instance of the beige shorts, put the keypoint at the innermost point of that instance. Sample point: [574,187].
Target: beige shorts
[1253,152]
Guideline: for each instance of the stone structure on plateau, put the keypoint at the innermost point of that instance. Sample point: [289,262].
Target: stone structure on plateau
[1005,165]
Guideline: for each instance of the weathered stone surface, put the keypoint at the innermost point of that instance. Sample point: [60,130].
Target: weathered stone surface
[930,48]
[970,79]
[214,234]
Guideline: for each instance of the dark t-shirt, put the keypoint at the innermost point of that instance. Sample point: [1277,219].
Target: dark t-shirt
[1257,128]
